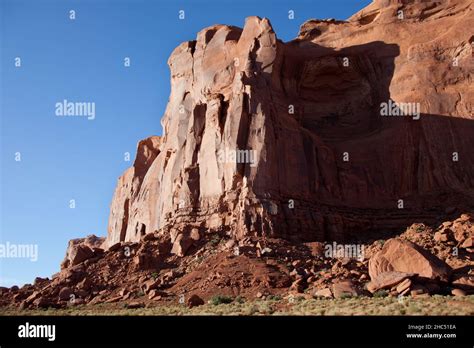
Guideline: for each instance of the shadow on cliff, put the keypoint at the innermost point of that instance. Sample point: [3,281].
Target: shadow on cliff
[424,160]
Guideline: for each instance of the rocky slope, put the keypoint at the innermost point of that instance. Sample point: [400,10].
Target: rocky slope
[273,151]
[213,267]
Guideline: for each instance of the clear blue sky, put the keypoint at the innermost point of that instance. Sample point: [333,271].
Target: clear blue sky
[82,60]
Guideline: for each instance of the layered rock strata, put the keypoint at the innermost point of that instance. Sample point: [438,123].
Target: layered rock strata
[263,137]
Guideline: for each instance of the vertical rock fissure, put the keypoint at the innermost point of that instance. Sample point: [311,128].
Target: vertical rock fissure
[124,226]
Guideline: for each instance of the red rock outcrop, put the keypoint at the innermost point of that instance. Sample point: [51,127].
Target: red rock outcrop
[123,225]
[270,139]
[81,249]
[262,137]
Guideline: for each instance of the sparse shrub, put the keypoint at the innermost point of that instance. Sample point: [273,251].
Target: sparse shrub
[381,242]
[420,228]
[266,308]
[253,309]
[274,298]
[239,299]
[215,240]
[345,295]
[154,275]
[220,299]
[380,293]
[140,293]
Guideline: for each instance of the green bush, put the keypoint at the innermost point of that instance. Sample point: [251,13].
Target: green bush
[274,298]
[215,240]
[220,299]
[346,295]
[381,293]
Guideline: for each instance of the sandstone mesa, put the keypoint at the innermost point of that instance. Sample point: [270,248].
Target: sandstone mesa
[232,89]
[326,167]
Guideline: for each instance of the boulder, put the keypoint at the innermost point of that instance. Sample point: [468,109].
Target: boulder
[124,293]
[387,280]
[464,282]
[79,254]
[65,294]
[85,284]
[145,260]
[228,245]
[151,284]
[43,302]
[81,249]
[181,245]
[406,257]
[404,286]
[458,292]
[194,234]
[298,285]
[344,288]
[468,243]
[154,295]
[441,236]
[194,301]
[418,289]
[326,292]
[135,305]
[32,297]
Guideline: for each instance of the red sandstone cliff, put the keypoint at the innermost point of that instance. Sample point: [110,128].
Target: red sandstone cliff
[325,163]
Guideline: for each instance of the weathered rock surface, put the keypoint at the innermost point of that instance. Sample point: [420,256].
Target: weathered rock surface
[181,245]
[123,208]
[344,288]
[406,257]
[81,249]
[286,139]
[387,280]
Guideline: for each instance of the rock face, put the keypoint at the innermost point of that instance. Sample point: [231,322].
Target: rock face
[124,211]
[262,137]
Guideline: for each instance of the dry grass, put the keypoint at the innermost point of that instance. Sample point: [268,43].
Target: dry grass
[435,305]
